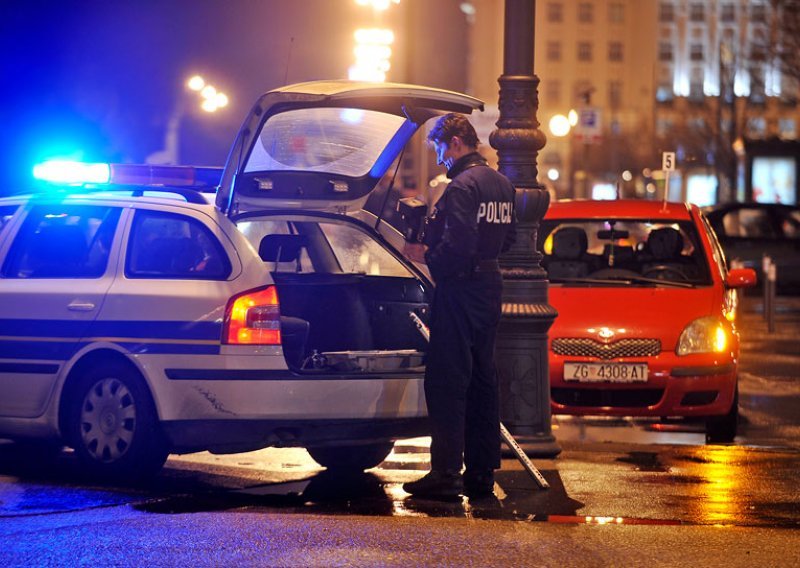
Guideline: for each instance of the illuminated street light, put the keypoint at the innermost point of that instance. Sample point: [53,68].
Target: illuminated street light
[372,53]
[211,100]
[559,125]
[377,5]
[572,115]
[195,83]
[372,49]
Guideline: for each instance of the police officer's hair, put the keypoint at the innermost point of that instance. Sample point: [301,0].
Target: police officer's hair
[451,125]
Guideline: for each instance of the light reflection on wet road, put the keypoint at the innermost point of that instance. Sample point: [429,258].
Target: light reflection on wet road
[612,471]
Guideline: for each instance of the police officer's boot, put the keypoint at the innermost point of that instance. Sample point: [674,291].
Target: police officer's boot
[479,483]
[437,485]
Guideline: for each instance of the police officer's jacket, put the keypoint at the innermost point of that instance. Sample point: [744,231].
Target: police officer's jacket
[473,221]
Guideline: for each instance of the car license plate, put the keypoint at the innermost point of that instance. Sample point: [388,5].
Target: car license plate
[606,372]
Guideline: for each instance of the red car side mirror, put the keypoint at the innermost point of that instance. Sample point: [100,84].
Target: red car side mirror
[741,278]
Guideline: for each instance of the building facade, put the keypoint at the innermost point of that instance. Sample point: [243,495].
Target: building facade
[694,77]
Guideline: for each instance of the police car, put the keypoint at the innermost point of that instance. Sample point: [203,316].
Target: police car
[142,316]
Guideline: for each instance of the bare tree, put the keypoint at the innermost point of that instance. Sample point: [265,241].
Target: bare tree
[784,46]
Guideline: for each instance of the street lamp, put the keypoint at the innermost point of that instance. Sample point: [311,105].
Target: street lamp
[372,53]
[373,46]
[561,126]
[377,5]
[211,100]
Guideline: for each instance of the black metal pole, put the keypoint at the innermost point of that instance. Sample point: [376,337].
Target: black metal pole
[522,363]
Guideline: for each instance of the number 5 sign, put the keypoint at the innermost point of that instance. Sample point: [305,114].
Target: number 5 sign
[668,161]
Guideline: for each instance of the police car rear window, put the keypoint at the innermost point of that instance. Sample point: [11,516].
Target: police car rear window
[319,247]
[172,246]
[344,141]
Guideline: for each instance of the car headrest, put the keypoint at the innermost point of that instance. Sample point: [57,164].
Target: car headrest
[281,248]
[569,243]
[665,243]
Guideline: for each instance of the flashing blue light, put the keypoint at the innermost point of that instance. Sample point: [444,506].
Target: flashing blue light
[65,171]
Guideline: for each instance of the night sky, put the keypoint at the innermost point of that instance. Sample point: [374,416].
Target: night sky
[98,80]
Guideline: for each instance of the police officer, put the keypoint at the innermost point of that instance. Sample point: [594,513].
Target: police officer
[472,223]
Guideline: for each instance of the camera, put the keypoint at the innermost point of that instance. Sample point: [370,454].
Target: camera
[412,212]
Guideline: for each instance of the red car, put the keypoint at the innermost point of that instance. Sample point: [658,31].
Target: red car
[646,313]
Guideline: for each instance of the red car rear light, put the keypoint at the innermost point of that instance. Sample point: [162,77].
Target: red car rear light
[253,318]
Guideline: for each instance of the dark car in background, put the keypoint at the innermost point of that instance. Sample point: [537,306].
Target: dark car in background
[748,231]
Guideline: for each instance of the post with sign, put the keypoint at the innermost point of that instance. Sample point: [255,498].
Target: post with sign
[667,166]
[587,131]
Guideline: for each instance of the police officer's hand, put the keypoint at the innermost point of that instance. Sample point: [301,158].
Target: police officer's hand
[415,252]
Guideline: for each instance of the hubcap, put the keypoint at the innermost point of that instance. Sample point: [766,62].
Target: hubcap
[108,420]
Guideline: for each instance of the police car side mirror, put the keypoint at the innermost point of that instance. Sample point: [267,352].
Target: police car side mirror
[412,212]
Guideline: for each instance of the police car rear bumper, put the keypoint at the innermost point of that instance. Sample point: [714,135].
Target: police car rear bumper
[234,436]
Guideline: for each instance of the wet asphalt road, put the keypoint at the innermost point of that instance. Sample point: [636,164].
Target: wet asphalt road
[622,492]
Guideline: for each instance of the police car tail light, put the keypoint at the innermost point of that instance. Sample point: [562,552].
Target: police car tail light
[253,318]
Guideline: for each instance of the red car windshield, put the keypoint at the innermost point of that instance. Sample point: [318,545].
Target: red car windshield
[623,250]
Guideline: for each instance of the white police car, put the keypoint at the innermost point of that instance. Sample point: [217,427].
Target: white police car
[139,320]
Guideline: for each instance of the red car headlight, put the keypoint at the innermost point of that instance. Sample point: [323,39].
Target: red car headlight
[704,335]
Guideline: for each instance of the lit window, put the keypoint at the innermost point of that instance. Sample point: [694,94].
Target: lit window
[756,126]
[696,80]
[787,128]
[664,93]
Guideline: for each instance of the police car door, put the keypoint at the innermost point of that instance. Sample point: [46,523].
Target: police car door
[55,273]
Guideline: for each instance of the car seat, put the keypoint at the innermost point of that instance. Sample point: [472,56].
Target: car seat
[568,259]
[663,249]
[280,248]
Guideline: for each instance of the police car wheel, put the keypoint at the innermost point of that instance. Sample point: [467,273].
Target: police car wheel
[351,457]
[113,424]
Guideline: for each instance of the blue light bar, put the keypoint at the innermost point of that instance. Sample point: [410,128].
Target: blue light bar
[77,173]
[65,171]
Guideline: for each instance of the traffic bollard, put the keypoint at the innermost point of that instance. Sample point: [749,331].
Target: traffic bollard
[772,277]
[765,262]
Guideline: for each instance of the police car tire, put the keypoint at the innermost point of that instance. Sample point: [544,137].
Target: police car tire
[351,457]
[113,425]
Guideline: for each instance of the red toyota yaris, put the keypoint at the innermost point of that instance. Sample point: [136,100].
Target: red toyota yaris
[646,313]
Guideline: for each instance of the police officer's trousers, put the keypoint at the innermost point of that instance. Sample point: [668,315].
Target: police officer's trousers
[460,378]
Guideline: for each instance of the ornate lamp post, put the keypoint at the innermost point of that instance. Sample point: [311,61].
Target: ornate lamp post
[522,336]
